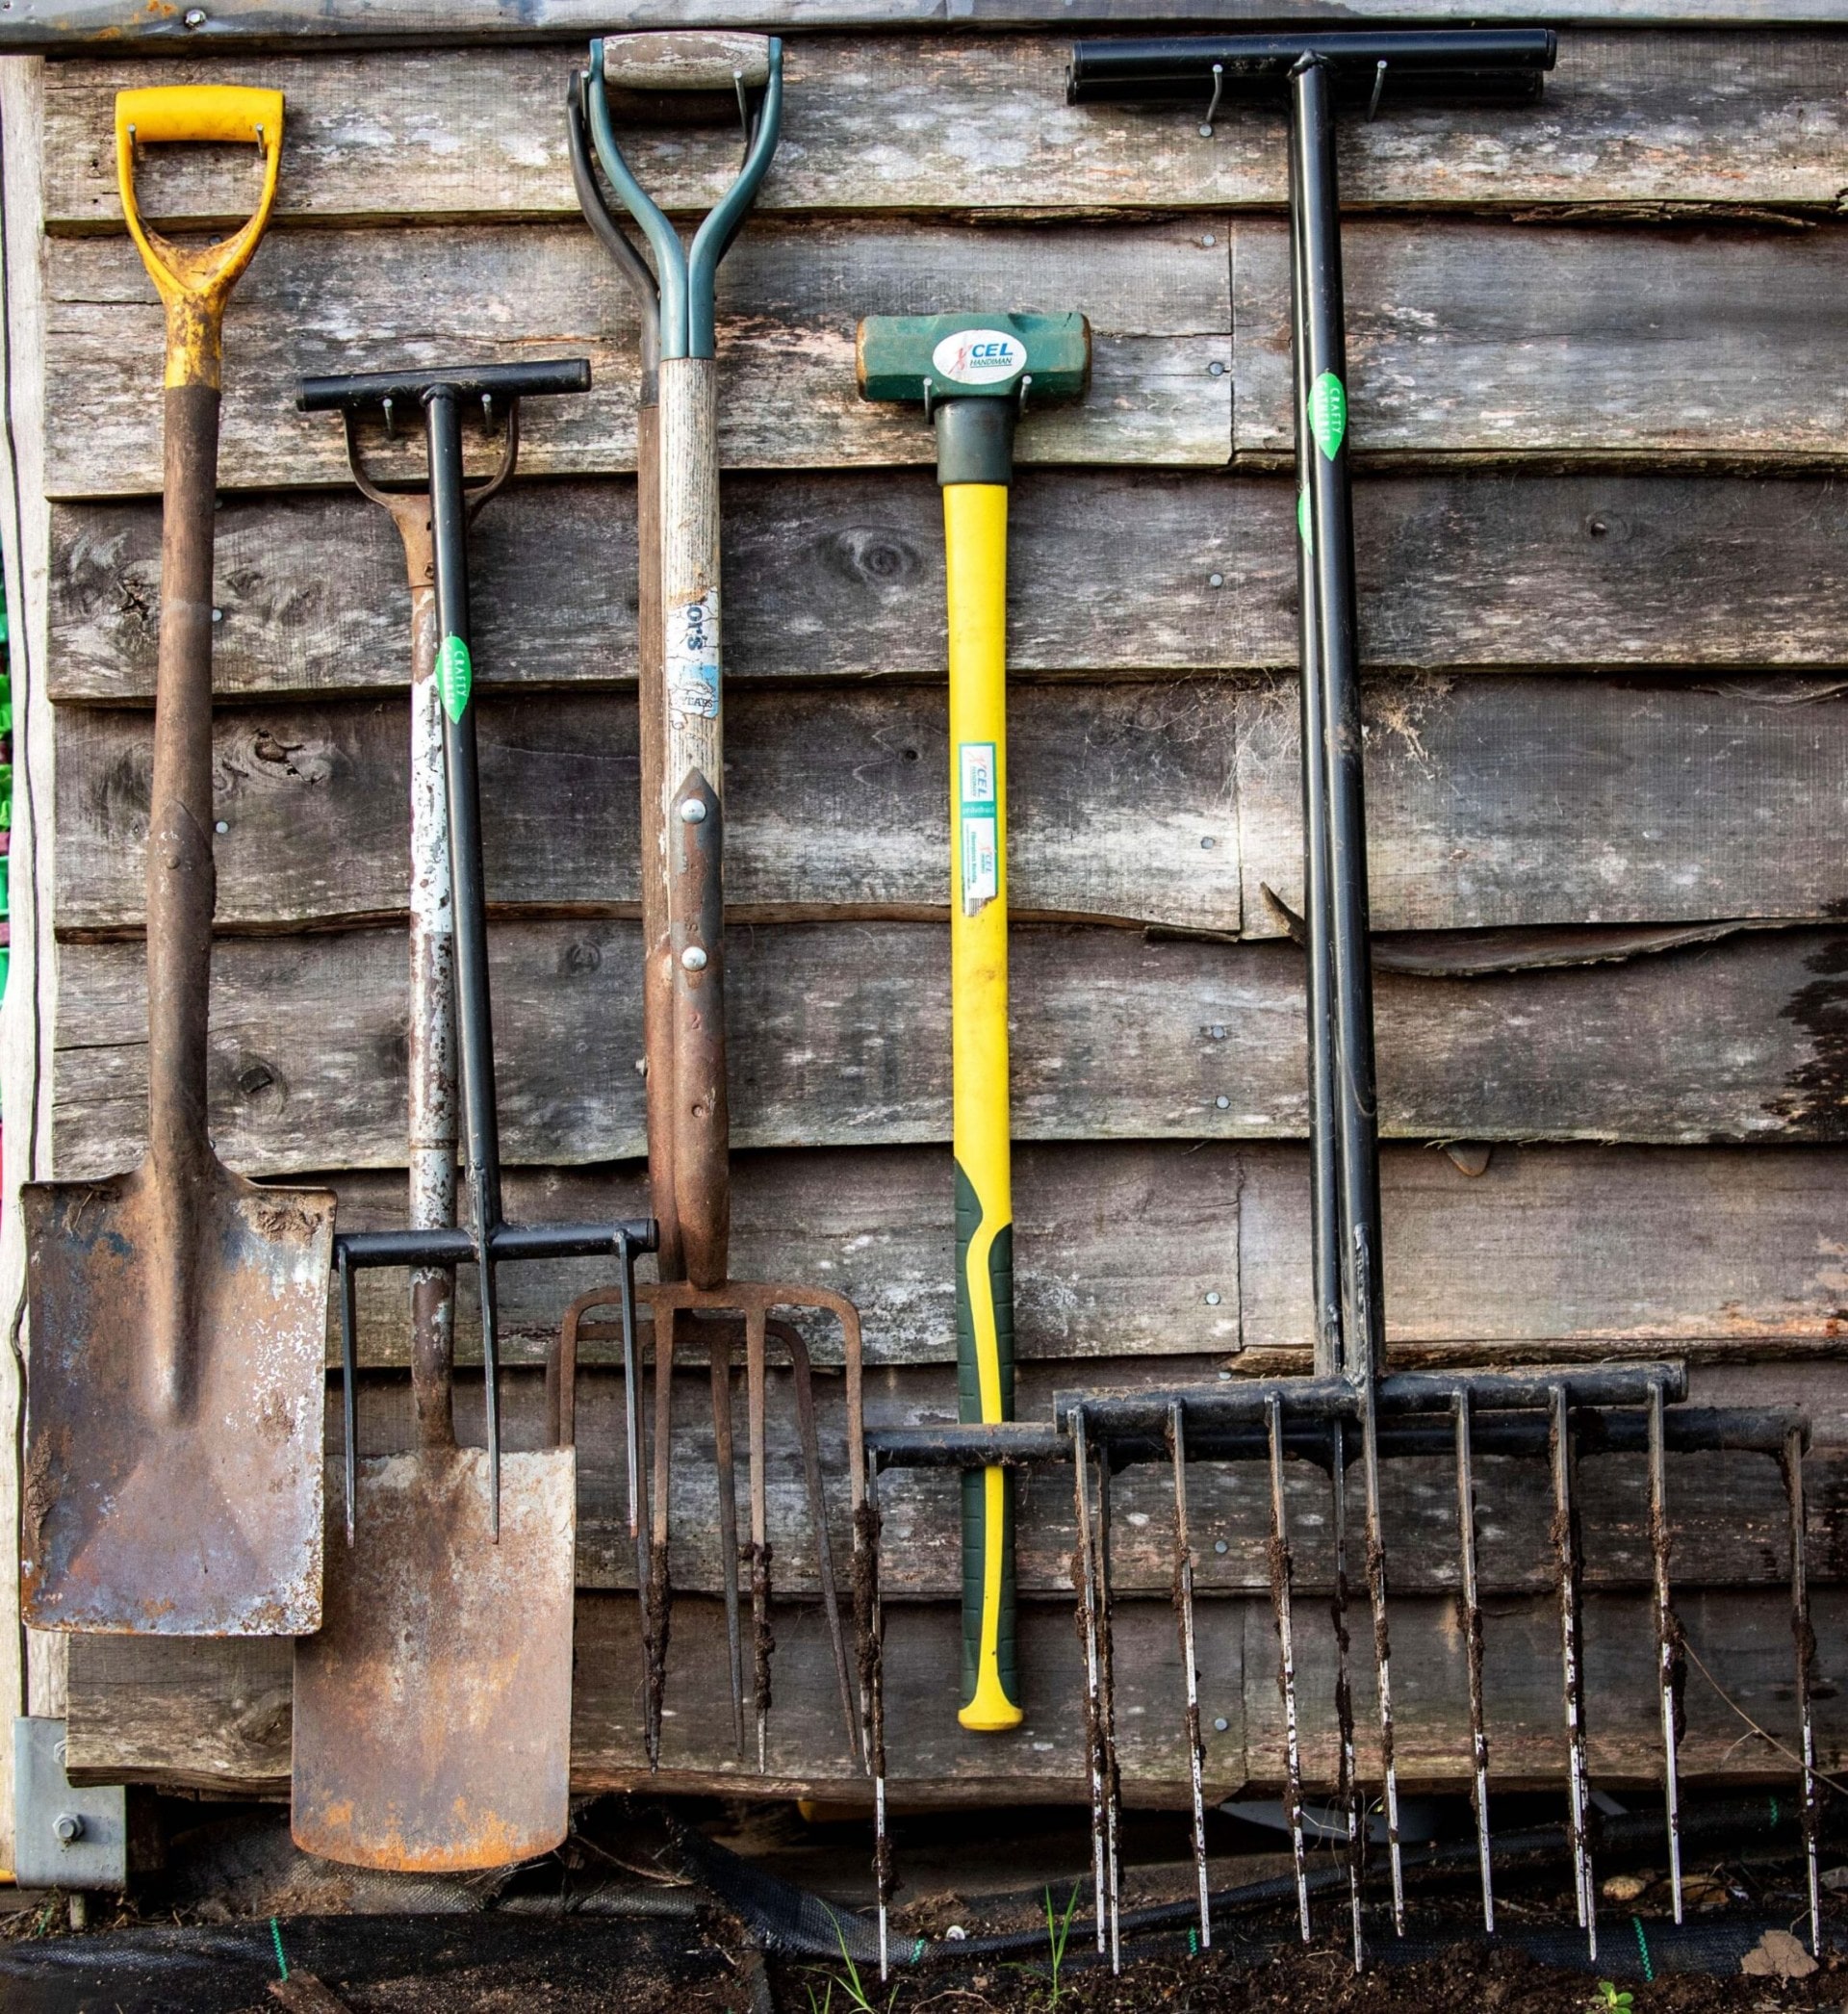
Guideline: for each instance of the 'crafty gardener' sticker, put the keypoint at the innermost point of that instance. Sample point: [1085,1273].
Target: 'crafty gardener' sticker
[979,808]
[979,357]
[1328,413]
[454,675]
[693,657]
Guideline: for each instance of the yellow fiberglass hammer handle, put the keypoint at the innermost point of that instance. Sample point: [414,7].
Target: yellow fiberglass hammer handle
[976,373]
[194,285]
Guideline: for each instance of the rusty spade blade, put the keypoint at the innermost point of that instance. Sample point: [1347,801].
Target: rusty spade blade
[178,1313]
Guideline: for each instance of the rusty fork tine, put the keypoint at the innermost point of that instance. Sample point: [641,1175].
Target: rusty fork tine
[1107,1719]
[1472,1649]
[869,1614]
[657,1607]
[726,1477]
[1280,1608]
[1344,1684]
[1565,1539]
[1084,1580]
[803,1372]
[764,1642]
[1805,1640]
[1668,1640]
[1190,1668]
[1382,1646]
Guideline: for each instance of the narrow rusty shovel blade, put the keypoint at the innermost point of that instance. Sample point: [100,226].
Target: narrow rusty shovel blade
[187,1504]
[433,1712]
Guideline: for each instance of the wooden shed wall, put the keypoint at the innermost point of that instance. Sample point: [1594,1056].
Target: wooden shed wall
[1599,387]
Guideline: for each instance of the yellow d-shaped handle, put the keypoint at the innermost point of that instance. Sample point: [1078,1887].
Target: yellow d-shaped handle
[194,285]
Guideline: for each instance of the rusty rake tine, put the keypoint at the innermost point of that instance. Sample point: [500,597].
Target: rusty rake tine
[1280,1610]
[726,1479]
[1085,1576]
[639,1503]
[1107,1672]
[1805,1640]
[349,1384]
[658,1605]
[1472,1649]
[1572,1663]
[1184,1609]
[872,1666]
[802,1371]
[1667,1639]
[1382,1647]
[763,1644]
[1344,1685]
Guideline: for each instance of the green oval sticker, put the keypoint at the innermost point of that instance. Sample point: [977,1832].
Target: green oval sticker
[1329,413]
[1302,520]
[454,675]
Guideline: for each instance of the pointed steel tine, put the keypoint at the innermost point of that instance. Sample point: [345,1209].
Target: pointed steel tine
[725,1469]
[1803,1638]
[1344,1684]
[348,1384]
[1565,1539]
[802,1372]
[661,1586]
[1107,1675]
[1382,1646]
[1084,1579]
[873,1670]
[1473,1648]
[1668,1640]
[639,1490]
[1190,1668]
[764,1643]
[1280,1609]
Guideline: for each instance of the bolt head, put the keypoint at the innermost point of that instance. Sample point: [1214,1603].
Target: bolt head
[1223,1102]
[1213,1297]
[1216,370]
[1216,579]
[220,825]
[1219,1546]
[1221,1724]
[195,17]
[67,1827]
[218,615]
[692,811]
[693,959]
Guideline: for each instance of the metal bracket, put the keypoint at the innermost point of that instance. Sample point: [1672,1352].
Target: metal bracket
[63,1838]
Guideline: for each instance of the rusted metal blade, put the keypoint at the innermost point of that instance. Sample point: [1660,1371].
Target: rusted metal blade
[185,1503]
[432,1724]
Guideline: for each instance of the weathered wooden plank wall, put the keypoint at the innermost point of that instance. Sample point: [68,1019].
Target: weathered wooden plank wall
[1598,366]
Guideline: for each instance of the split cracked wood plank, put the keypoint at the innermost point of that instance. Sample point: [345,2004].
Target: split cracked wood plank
[215,1713]
[790,296]
[1132,1249]
[840,1037]
[840,574]
[1727,1512]
[897,123]
[1496,802]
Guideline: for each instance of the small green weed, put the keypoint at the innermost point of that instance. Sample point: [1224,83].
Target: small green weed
[853,1991]
[1058,1930]
[1612,1999]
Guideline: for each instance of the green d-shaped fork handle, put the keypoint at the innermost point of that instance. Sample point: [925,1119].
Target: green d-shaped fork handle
[688,279]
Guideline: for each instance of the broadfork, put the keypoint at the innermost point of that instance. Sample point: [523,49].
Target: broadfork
[683,820]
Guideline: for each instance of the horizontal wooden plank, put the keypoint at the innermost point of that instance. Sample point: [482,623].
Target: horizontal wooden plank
[841,574]
[1729,1515]
[790,296]
[1137,1249]
[214,1714]
[840,1037]
[1498,340]
[1493,803]
[63,26]
[1626,119]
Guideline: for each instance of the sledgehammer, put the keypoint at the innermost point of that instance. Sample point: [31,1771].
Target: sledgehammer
[975,374]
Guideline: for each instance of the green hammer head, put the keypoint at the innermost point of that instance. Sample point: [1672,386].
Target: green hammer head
[932,358]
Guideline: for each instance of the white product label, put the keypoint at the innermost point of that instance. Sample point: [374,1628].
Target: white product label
[977,810]
[979,357]
[692,656]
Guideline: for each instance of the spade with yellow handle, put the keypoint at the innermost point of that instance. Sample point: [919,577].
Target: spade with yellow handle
[975,374]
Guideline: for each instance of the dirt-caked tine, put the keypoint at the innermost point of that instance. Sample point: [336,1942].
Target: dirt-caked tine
[1084,1575]
[1183,1589]
[1565,1542]
[1472,1649]
[1804,1639]
[1668,1643]
[1281,1572]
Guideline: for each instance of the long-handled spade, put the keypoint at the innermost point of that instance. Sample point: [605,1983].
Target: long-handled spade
[974,373]
[178,1313]
[682,826]
[433,1712]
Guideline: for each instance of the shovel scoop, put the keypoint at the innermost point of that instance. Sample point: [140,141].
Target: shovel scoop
[178,1312]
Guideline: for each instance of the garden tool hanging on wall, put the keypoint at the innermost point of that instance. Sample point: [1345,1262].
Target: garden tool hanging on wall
[975,374]
[1549,1415]
[178,1313]
[682,905]
[453,1588]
